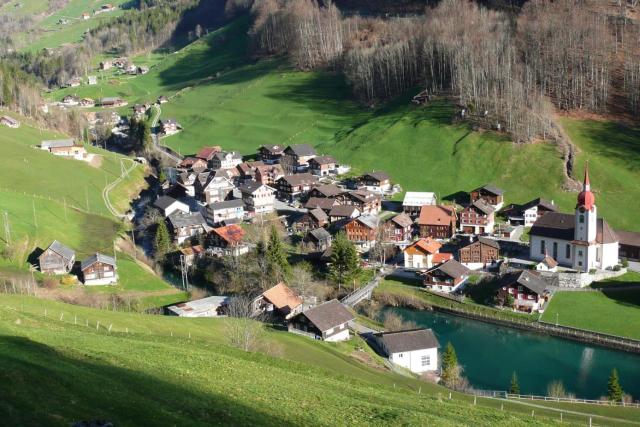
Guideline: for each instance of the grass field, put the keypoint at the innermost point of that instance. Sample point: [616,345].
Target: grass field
[154,374]
[612,311]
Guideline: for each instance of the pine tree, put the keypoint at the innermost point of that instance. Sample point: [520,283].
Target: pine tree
[614,389]
[345,262]
[450,369]
[515,386]
[278,265]
[145,137]
[162,243]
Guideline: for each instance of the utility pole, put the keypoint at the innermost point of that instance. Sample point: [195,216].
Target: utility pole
[7,228]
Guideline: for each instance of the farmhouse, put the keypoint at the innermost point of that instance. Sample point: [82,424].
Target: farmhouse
[226,160]
[528,213]
[112,102]
[268,174]
[75,151]
[581,241]
[228,212]
[293,187]
[528,290]
[247,170]
[9,122]
[56,259]
[479,254]
[322,165]
[437,221]
[318,240]
[213,306]
[193,164]
[53,143]
[490,194]
[168,206]
[207,153]
[415,200]
[362,231]
[213,187]
[424,253]
[258,198]
[270,154]
[365,200]
[169,126]
[314,218]
[477,218]
[228,240]
[447,277]
[328,322]
[296,157]
[326,191]
[398,228]
[280,300]
[343,212]
[415,349]
[99,269]
[324,203]
[378,182]
[186,226]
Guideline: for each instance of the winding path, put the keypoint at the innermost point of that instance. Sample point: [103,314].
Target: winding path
[112,185]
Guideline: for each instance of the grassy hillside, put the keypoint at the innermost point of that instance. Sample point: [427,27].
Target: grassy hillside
[155,374]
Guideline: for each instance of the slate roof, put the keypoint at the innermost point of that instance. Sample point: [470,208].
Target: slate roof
[329,190]
[527,278]
[97,257]
[403,220]
[221,155]
[489,242]
[343,210]
[163,202]
[319,234]
[227,204]
[483,207]
[410,340]
[561,226]
[179,220]
[324,203]
[251,187]
[328,315]
[301,150]
[319,214]
[62,250]
[491,189]
[369,221]
[453,268]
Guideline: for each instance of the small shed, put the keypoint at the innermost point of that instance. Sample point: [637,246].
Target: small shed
[57,259]
[99,269]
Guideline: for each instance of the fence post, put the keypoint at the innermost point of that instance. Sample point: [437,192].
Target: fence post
[110,325]
[61,315]
[98,325]
[449,395]
[45,312]
[560,416]
[474,399]
[75,319]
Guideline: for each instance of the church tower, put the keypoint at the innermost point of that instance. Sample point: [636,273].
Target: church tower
[586,227]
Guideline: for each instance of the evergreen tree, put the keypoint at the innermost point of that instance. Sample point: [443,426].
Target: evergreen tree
[345,262]
[450,369]
[145,135]
[277,263]
[515,386]
[614,389]
[162,243]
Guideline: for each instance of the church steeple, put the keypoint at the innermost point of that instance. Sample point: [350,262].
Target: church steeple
[586,199]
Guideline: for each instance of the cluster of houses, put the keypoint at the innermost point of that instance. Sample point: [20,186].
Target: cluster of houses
[97,269]
[107,102]
[64,148]
[125,65]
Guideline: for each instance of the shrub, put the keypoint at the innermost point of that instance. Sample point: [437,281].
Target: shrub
[617,267]
[50,283]
[68,280]
[592,271]
[625,263]
[556,389]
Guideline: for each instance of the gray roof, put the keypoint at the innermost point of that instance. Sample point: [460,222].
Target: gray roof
[527,278]
[323,160]
[492,189]
[273,148]
[561,226]
[490,242]
[403,220]
[328,315]
[51,143]
[227,204]
[539,202]
[320,202]
[301,150]
[343,210]
[163,202]
[222,154]
[97,257]
[328,190]
[319,214]
[453,268]
[186,220]
[320,234]
[628,238]
[300,178]
[410,340]
[251,187]
[368,220]
[378,175]
[62,250]
[483,206]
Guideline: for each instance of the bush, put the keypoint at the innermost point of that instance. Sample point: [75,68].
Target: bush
[617,267]
[592,271]
[68,280]
[625,263]
[50,283]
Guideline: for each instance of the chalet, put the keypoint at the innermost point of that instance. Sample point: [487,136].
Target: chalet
[378,182]
[258,198]
[362,231]
[415,200]
[424,253]
[477,218]
[99,269]
[74,82]
[187,180]
[328,322]
[213,306]
[343,212]
[293,187]
[131,69]
[437,221]
[9,122]
[270,154]
[162,99]
[207,153]
[296,157]
[85,15]
[490,194]
[365,200]
[547,264]
[191,254]
[279,300]
[629,245]
[57,259]
[326,191]
[120,62]
[322,165]
[140,110]
[106,65]
[70,100]
[247,170]
[213,187]
[193,164]
[92,80]
[186,226]
[168,206]
[447,277]
[226,160]
[87,102]
[112,102]
[314,218]
[318,240]
[169,126]
[228,240]
[228,212]
[415,349]
[324,203]
[55,143]
[75,151]
[528,213]
[268,174]
[480,254]
[528,290]
[398,228]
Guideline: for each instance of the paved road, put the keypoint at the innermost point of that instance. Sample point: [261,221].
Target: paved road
[360,328]
[156,139]
[634,266]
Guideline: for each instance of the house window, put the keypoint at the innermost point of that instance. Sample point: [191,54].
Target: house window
[426,360]
[567,251]
[555,250]
[581,219]
[543,247]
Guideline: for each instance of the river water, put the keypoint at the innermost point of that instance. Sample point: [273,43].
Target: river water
[490,354]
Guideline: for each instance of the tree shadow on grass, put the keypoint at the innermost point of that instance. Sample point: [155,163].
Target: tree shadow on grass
[616,141]
[41,386]
[624,297]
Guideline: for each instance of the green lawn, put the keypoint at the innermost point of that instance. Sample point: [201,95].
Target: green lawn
[154,374]
[615,312]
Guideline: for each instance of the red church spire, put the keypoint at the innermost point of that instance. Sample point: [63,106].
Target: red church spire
[586,199]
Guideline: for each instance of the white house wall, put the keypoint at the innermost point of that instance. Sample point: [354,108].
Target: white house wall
[412,360]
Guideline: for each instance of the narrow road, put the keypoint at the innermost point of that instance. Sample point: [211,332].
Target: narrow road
[111,186]
[156,139]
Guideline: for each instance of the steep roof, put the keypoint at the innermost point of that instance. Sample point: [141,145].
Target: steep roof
[62,250]
[426,245]
[163,202]
[343,210]
[527,278]
[319,214]
[273,149]
[300,179]
[328,315]
[419,198]
[368,221]
[539,202]
[490,188]
[549,261]
[363,195]
[319,234]
[410,340]
[231,233]
[227,204]
[323,160]
[483,207]
[97,257]
[377,175]
[301,150]
[561,226]
[403,220]
[435,215]
[252,186]
[282,297]
[206,153]
[328,190]
[489,242]
[453,268]
[324,203]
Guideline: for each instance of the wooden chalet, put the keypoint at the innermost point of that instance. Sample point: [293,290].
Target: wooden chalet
[362,231]
[270,154]
[280,300]
[207,153]
[528,213]
[57,259]
[527,288]
[326,191]
[296,157]
[377,181]
[328,322]
[294,187]
[477,218]
[268,174]
[228,240]
[446,277]
[322,165]
[398,228]
[193,164]
[324,203]
[343,212]
[317,240]
[629,245]
[480,254]
[366,201]
[491,195]
[437,221]
[185,226]
[99,269]
[314,218]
